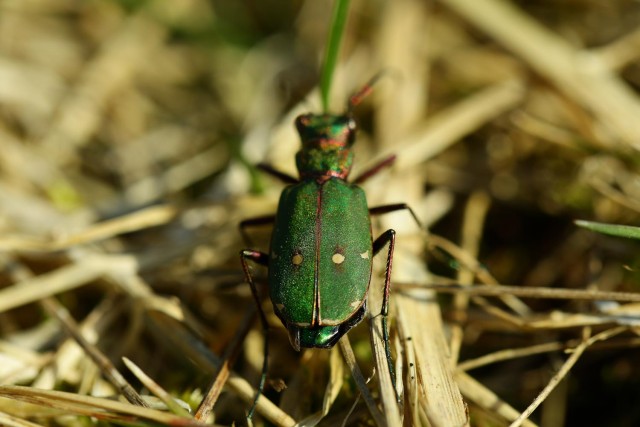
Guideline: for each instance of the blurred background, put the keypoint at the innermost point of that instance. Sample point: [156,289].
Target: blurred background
[129,130]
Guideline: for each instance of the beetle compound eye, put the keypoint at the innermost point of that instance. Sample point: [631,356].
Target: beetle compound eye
[337,258]
[303,121]
[297,259]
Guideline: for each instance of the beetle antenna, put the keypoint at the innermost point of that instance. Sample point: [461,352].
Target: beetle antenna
[365,91]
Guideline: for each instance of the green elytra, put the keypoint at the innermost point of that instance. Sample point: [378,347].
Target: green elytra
[321,250]
[321,247]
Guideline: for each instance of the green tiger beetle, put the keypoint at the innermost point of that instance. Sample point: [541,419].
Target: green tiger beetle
[320,258]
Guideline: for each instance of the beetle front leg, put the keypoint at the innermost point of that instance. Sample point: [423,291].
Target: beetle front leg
[262,259]
[284,177]
[384,163]
[389,237]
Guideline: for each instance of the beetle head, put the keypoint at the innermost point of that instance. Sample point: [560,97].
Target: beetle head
[327,129]
[326,146]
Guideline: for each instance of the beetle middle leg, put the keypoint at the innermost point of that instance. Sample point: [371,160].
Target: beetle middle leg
[389,237]
[252,222]
[262,259]
[381,210]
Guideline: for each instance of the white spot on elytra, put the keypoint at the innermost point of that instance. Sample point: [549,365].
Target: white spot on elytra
[297,259]
[337,258]
[364,255]
[355,304]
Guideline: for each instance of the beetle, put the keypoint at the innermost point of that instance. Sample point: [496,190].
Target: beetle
[320,257]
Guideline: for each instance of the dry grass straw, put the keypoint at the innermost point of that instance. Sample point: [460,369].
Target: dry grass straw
[126,129]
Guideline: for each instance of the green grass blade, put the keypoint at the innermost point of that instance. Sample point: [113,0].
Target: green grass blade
[625,231]
[338,21]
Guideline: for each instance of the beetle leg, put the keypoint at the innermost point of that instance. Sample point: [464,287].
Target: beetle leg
[284,177]
[262,259]
[389,237]
[381,210]
[385,163]
[252,222]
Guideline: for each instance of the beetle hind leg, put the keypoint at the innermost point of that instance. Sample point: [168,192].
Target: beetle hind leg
[389,237]
[262,259]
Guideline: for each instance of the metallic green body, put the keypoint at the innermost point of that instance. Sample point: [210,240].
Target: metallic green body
[321,249]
